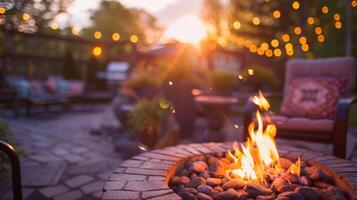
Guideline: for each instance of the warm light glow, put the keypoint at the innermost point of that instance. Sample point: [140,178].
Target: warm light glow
[338,25]
[277,52]
[289,46]
[116,36]
[222,41]
[264,46]
[188,29]
[297,30]
[256,21]
[302,40]
[295,167]
[260,51]
[276,14]
[310,20]
[236,25]
[354,3]
[337,17]
[290,52]
[97,35]
[26,16]
[97,51]
[269,53]
[150,39]
[305,47]
[324,9]
[318,30]
[134,38]
[54,26]
[2,10]
[296,5]
[250,72]
[321,38]
[261,101]
[75,31]
[285,38]
[253,48]
[274,43]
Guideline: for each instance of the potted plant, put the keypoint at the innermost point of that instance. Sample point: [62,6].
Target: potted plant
[222,81]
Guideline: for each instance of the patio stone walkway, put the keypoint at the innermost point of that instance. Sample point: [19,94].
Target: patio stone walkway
[62,161]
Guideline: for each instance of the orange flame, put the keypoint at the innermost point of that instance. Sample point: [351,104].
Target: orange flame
[260,151]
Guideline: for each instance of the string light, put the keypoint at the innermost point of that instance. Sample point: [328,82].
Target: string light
[310,20]
[54,26]
[321,38]
[289,46]
[337,17]
[97,35]
[97,51]
[305,47]
[285,38]
[134,38]
[296,5]
[276,14]
[264,46]
[277,52]
[318,30]
[269,53]
[2,10]
[236,25]
[75,31]
[324,9]
[116,36]
[290,52]
[338,25]
[302,40]
[26,16]
[354,3]
[297,30]
[253,48]
[150,39]
[256,21]
[274,43]
[260,51]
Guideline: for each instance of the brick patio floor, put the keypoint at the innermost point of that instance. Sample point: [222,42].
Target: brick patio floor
[64,162]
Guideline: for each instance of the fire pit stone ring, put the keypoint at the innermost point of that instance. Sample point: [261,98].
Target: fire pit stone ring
[146,176]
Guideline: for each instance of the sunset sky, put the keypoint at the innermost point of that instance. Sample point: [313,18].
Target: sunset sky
[166,11]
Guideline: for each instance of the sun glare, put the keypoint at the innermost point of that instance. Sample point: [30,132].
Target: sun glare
[188,29]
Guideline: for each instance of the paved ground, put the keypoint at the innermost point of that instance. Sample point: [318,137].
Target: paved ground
[64,162]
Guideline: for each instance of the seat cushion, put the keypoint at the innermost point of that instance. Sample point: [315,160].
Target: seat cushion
[302,124]
[313,97]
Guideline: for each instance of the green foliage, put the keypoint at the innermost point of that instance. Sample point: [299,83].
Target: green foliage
[141,78]
[262,77]
[146,114]
[6,136]
[222,80]
[69,70]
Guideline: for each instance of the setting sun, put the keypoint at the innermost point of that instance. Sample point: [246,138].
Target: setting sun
[188,29]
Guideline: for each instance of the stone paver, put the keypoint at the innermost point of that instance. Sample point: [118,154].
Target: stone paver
[54,190]
[73,195]
[93,187]
[79,180]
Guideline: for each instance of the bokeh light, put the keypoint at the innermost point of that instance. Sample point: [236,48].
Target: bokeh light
[337,17]
[318,30]
[134,38]
[2,10]
[305,47]
[296,5]
[302,40]
[264,46]
[256,21]
[274,43]
[116,36]
[324,9]
[97,35]
[54,26]
[277,52]
[321,38]
[236,25]
[97,51]
[338,25]
[285,38]
[297,30]
[26,16]
[276,14]
[310,20]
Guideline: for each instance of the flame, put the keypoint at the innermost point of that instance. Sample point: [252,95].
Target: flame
[259,152]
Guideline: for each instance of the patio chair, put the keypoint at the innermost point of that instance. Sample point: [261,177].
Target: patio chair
[15,169]
[316,100]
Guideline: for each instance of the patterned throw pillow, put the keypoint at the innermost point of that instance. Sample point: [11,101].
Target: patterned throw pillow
[313,97]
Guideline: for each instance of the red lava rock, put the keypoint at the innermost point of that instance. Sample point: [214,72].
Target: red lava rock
[211,160]
[291,178]
[243,195]
[282,198]
[314,173]
[179,180]
[218,189]
[198,166]
[185,172]
[292,195]
[225,196]
[213,181]
[202,196]
[233,183]
[278,183]
[188,196]
[285,163]
[321,184]
[205,189]
[308,193]
[287,188]
[204,174]
[305,181]
[217,169]
[195,182]
[265,197]
[190,190]
[255,189]
[332,193]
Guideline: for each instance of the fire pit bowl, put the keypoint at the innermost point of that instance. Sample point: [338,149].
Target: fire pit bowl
[150,174]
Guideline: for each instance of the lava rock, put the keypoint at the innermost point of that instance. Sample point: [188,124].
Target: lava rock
[255,189]
[211,160]
[285,163]
[213,181]
[308,193]
[243,195]
[226,196]
[190,190]
[291,178]
[204,174]
[198,166]
[202,196]
[322,184]
[282,198]
[278,183]
[265,197]
[332,193]
[218,189]
[205,189]
[195,182]
[233,183]
[292,195]
[287,188]
[305,181]
[314,173]
[187,196]
[179,180]
[217,169]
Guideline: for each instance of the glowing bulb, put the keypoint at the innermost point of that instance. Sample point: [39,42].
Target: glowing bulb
[269,53]
[305,47]
[264,46]
[250,72]
[296,5]
[277,52]
[318,30]
[97,35]
[260,51]
[2,10]
[134,39]
[256,21]
[338,25]
[324,9]
[150,39]
[54,26]
[297,30]
[302,40]
[253,48]
[285,38]
[290,52]
[75,31]
[321,38]
[236,25]
[337,17]
[97,51]
[289,46]
[276,14]
[310,20]
[354,3]
[26,16]
[116,36]
[274,43]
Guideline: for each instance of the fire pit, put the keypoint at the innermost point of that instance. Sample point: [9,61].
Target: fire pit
[256,170]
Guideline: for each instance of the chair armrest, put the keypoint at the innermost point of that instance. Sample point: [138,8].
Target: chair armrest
[343,108]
